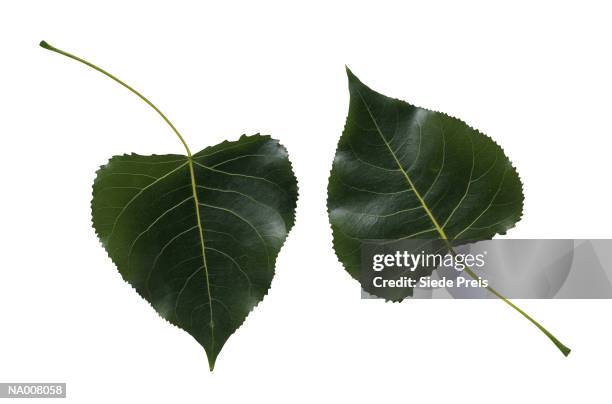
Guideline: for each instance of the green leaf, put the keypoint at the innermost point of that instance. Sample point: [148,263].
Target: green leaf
[198,235]
[402,172]
[406,173]
[202,252]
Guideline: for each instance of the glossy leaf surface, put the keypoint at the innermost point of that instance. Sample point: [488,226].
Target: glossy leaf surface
[402,172]
[202,259]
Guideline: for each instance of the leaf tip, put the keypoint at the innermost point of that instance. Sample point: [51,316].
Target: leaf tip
[211,363]
[44,44]
[350,74]
[355,85]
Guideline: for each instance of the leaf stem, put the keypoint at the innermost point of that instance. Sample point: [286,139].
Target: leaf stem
[47,46]
[564,350]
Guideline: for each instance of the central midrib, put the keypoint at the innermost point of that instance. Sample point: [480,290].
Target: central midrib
[203,247]
[437,226]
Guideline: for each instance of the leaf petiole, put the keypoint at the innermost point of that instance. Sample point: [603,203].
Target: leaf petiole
[47,46]
[564,350]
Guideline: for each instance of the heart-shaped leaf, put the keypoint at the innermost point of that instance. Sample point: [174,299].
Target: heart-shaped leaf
[403,172]
[200,248]
[197,236]
[406,173]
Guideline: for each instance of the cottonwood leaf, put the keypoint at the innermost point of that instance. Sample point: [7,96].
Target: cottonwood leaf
[199,245]
[407,173]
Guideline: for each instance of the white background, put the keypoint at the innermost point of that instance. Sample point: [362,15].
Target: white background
[534,76]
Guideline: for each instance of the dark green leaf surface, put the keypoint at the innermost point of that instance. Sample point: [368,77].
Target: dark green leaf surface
[203,261]
[403,172]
